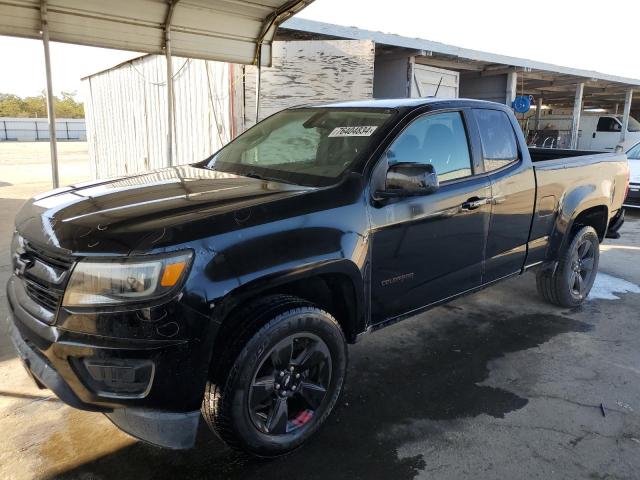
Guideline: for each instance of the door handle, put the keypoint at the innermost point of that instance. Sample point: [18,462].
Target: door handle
[594,135]
[474,203]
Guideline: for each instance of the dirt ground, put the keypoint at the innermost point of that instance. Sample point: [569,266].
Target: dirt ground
[25,167]
[494,385]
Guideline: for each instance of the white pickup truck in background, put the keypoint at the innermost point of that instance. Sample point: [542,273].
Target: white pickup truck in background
[597,131]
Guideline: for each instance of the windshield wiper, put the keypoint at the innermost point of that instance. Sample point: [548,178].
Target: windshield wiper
[252,174]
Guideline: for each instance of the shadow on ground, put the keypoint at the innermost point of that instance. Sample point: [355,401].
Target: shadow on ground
[422,370]
[8,207]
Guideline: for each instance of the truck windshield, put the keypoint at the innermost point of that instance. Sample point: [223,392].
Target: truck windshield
[305,146]
[634,125]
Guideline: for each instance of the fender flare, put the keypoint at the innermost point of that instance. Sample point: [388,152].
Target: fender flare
[571,207]
[345,267]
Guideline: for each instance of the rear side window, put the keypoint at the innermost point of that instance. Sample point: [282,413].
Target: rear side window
[608,124]
[498,139]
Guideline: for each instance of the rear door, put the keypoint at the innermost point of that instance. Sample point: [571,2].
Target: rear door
[512,193]
[427,248]
[586,133]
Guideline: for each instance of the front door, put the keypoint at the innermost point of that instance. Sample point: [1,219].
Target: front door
[428,248]
[607,134]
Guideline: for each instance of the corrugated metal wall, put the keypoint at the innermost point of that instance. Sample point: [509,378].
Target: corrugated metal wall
[127,120]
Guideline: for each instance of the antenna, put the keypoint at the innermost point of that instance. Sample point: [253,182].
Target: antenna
[438,87]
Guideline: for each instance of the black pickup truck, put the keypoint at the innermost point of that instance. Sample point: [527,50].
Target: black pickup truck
[230,288]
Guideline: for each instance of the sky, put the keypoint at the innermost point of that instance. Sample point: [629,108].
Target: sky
[588,34]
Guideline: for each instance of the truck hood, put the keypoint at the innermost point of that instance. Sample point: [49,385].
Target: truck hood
[117,216]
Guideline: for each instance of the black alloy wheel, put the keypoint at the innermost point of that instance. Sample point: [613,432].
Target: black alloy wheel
[275,381]
[290,384]
[582,265]
[569,284]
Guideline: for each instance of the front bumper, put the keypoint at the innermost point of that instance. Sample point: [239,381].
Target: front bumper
[151,389]
[43,373]
[633,197]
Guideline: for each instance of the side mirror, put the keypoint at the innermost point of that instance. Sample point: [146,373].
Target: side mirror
[408,178]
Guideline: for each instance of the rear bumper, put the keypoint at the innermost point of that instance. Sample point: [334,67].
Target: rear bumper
[150,389]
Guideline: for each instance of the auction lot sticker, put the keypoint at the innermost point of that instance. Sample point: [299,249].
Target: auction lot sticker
[352,131]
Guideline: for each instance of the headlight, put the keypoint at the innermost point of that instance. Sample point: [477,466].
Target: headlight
[17,244]
[113,282]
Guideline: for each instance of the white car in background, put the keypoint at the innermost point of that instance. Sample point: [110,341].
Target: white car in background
[633,197]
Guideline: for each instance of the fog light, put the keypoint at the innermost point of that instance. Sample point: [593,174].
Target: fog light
[116,378]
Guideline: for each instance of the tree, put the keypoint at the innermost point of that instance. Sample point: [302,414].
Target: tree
[10,105]
[36,107]
[67,107]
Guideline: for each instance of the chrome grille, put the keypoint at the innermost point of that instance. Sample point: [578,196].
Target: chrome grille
[48,298]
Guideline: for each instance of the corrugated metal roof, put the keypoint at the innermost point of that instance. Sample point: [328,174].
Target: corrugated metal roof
[223,30]
[353,33]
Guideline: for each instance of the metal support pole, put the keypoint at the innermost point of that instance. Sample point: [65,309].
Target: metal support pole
[538,112]
[512,85]
[170,101]
[628,98]
[577,109]
[258,79]
[55,180]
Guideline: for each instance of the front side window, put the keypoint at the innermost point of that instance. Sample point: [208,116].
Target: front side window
[439,139]
[308,146]
[609,124]
[498,139]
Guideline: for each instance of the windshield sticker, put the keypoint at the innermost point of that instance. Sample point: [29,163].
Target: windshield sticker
[352,131]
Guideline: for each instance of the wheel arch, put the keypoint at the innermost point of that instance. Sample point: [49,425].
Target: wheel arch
[582,206]
[337,287]
[596,217]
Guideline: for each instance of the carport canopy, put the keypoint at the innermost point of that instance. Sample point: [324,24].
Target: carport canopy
[235,31]
[223,30]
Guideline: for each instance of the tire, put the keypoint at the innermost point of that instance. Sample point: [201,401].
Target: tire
[572,280]
[615,225]
[278,379]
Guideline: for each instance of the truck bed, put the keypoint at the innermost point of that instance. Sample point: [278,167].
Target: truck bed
[565,177]
[539,154]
